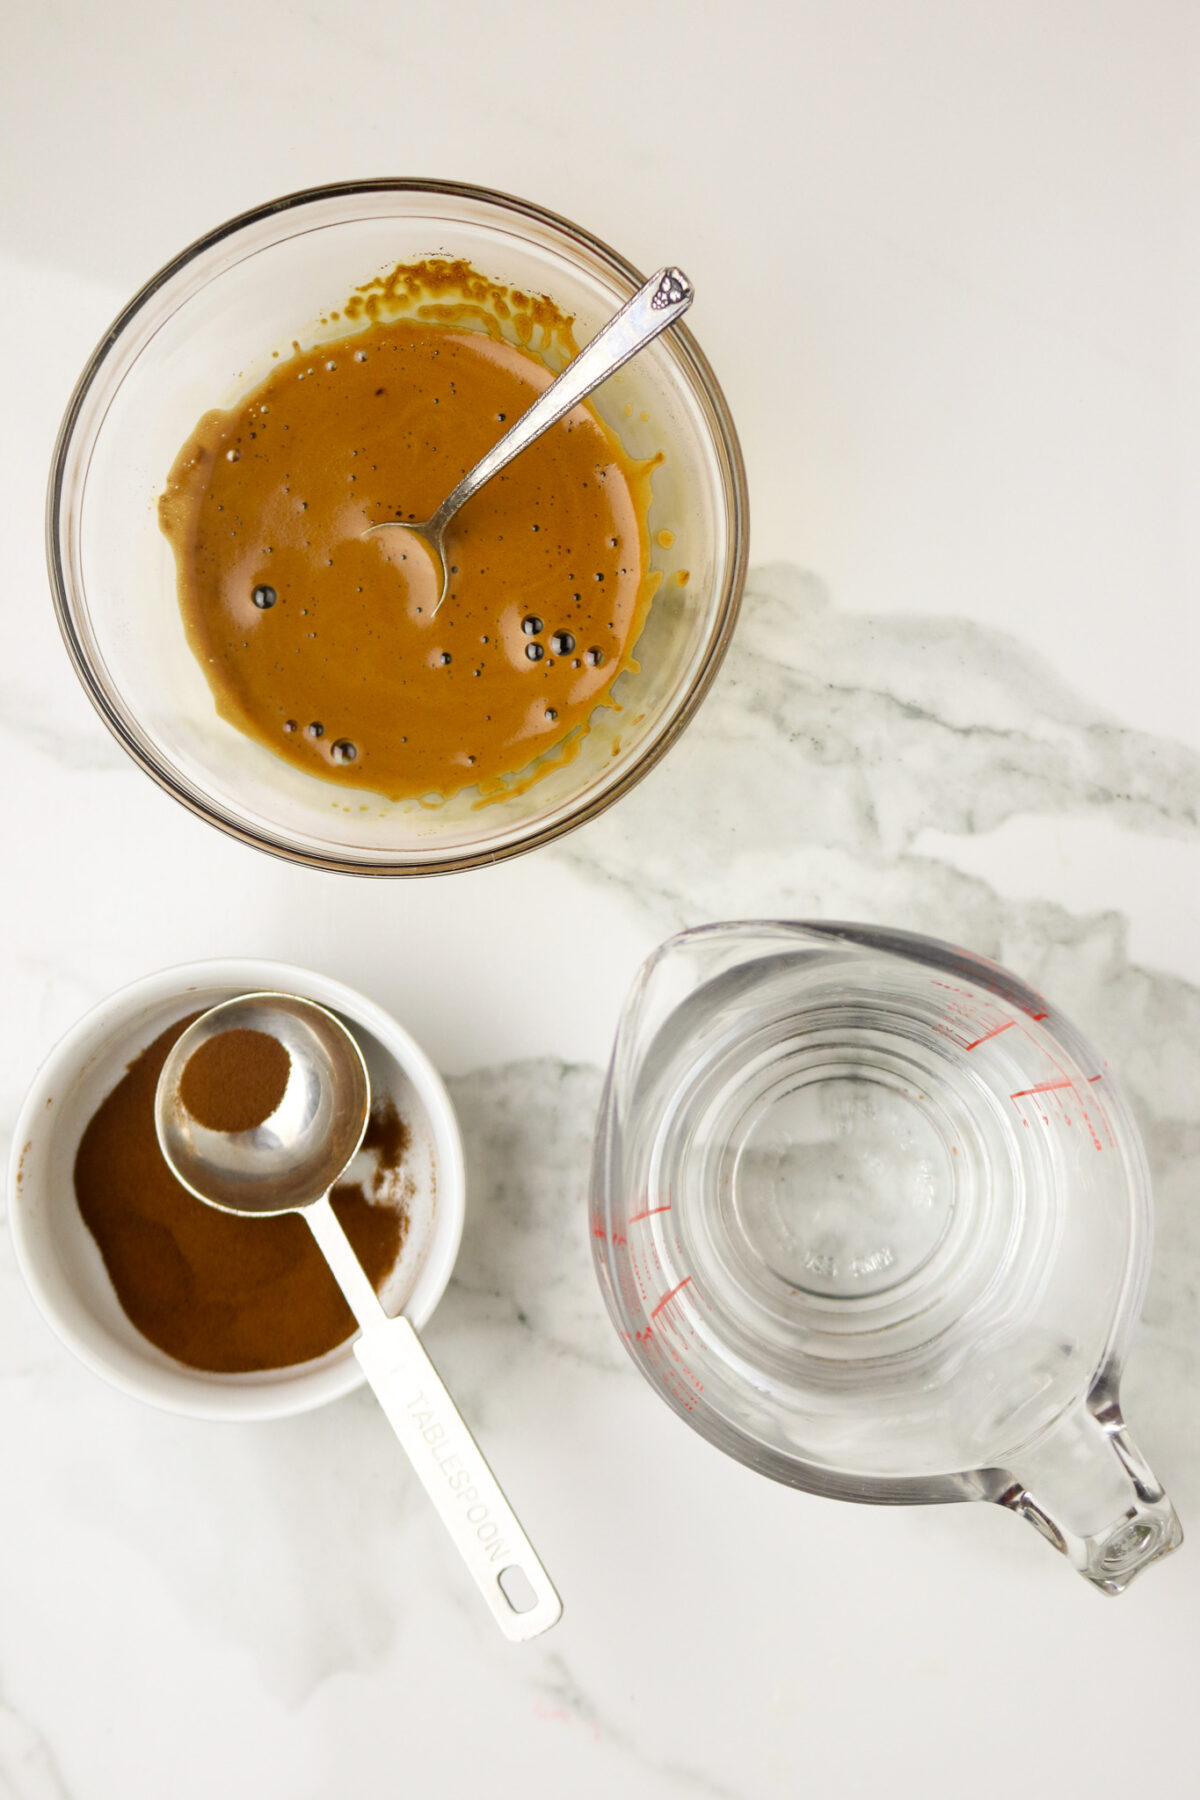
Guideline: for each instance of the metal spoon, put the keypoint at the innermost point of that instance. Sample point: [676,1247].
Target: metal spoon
[657,304]
[288,1164]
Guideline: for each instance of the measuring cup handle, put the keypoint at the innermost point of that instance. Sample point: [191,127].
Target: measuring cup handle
[452,1469]
[1087,1489]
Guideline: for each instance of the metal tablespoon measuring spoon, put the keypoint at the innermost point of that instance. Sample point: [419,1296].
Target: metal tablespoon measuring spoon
[288,1164]
[657,304]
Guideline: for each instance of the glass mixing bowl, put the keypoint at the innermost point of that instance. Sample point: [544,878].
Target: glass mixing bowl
[202,334]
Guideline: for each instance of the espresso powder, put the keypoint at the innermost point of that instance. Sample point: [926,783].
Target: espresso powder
[235,1080]
[215,1291]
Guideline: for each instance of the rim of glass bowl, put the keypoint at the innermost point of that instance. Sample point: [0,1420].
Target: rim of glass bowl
[126,729]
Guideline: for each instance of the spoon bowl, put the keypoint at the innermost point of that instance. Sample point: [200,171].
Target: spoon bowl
[299,1152]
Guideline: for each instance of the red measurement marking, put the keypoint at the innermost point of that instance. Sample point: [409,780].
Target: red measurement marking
[1095,1077]
[994,1032]
[668,1297]
[649,1213]
[1043,1087]
[599,1231]
[1036,1016]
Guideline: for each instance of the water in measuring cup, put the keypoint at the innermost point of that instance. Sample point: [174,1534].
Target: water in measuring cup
[874,1198]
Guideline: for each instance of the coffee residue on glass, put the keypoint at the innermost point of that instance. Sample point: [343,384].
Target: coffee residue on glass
[321,642]
[215,1291]
[235,1079]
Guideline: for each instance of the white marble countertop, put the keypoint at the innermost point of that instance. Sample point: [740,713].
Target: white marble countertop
[946,257]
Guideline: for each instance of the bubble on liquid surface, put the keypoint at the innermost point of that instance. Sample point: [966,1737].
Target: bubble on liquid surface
[562,643]
[534,652]
[316,729]
[593,657]
[344,751]
[264,596]
[531,625]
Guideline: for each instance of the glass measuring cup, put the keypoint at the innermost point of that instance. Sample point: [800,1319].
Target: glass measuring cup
[876,1220]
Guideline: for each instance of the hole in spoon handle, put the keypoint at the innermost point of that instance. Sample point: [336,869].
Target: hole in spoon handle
[452,1469]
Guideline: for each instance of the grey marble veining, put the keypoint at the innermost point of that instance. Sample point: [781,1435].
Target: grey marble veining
[54,726]
[976,388]
[829,743]
[833,739]
[27,1767]
[525,1259]
[563,1693]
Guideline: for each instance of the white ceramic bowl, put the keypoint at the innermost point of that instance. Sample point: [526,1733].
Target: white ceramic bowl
[61,1262]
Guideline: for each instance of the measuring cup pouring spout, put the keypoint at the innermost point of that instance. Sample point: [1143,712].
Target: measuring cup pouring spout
[873,1217]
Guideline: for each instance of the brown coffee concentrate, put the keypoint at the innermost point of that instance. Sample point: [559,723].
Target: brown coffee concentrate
[323,643]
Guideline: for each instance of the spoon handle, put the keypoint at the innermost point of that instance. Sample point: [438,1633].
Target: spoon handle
[454,1474]
[348,1272]
[448,1461]
[657,304]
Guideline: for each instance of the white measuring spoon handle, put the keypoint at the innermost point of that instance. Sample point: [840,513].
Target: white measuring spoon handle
[452,1469]
[347,1271]
[448,1461]
[657,304]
